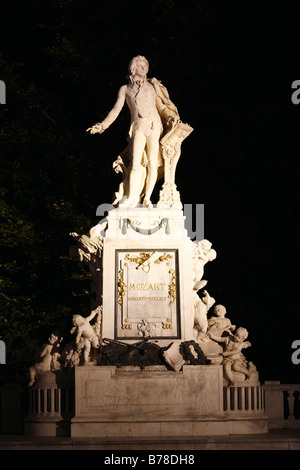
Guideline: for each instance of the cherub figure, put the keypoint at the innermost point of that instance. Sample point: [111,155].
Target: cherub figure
[49,357]
[201,307]
[146,328]
[88,249]
[233,359]
[218,324]
[203,253]
[71,356]
[85,334]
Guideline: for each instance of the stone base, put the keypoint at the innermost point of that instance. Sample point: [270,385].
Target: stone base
[45,416]
[128,401]
[45,427]
[201,427]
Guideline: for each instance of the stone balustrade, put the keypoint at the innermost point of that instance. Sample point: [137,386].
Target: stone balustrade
[282,404]
[243,399]
[45,402]
[51,405]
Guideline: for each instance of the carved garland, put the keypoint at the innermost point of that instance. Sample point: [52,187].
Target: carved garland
[121,287]
[140,260]
[172,287]
[146,231]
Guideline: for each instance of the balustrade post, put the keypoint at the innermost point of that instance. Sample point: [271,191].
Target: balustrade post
[243,404]
[39,408]
[243,399]
[255,398]
[235,398]
[228,398]
[260,401]
[290,402]
[59,401]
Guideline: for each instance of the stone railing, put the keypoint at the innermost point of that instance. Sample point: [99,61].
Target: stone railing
[282,404]
[243,399]
[51,405]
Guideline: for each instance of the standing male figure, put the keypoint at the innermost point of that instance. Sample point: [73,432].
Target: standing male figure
[150,108]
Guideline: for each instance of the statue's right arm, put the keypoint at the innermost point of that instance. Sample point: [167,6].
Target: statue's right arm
[219,339]
[44,351]
[91,316]
[112,115]
[78,336]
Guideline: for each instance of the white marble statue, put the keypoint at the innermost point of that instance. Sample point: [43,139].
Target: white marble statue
[49,358]
[218,324]
[233,359]
[147,329]
[152,114]
[201,307]
[86,334]
[89,251]
[202,254]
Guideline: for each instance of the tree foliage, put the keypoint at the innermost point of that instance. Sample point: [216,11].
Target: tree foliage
[54,58]
[63,62]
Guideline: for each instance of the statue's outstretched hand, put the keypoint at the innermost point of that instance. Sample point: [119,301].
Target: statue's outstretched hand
[97,128]
[173,120]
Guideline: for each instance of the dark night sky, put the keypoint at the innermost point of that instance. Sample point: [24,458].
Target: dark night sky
[228,67]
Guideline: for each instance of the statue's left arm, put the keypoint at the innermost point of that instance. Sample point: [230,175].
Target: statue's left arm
[166,113]
[166,108]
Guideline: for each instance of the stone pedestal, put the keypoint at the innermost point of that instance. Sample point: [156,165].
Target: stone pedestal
[50,407]
[155,402]
[44,413]
[147,276]
[147,273]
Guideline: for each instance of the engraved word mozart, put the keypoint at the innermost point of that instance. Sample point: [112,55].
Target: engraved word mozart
[148,286]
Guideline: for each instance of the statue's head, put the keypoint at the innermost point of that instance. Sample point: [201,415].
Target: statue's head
[205,244]
[241,333]
[220,310]
[137,65]
[78,320]
[212,254]
[53,338]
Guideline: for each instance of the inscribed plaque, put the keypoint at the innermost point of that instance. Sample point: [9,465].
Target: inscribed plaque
[146,296]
